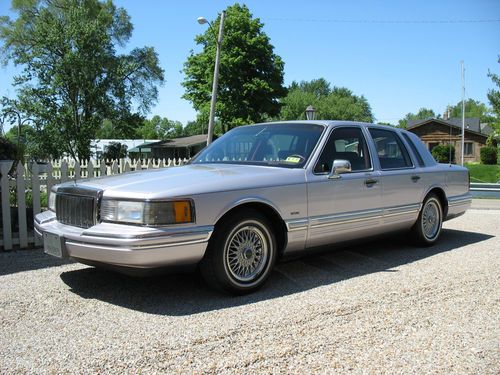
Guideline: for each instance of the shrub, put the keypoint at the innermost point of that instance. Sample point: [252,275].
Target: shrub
[8,150]
[442,153]
[488,155]
[114,151]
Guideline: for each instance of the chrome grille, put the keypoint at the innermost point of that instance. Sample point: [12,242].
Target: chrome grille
[76,210]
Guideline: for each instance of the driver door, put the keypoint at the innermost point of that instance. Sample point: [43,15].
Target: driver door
[348,206]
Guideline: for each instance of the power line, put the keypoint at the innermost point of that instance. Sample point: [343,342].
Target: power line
[366,21]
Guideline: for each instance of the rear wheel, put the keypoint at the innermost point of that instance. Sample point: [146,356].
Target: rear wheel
[241,253]
[427,229]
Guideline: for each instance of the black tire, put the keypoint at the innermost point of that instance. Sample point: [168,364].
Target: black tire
[427,229]
[240,241]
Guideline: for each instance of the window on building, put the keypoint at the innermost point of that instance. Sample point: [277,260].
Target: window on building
[468,148]
[432,145]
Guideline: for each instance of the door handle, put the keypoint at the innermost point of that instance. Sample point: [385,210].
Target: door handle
[370,182]
[415,178]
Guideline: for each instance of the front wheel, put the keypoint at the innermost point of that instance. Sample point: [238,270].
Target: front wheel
[427,229]
[241,253]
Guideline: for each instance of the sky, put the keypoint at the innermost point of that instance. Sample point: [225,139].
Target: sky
[401,55]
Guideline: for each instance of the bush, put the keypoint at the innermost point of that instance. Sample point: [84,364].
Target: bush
[442,153]
[488,155]
[8,150]
[114,151]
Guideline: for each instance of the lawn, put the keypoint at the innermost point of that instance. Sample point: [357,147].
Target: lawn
[484,173]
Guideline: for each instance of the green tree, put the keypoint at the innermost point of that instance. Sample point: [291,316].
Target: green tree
[72,77]
[251,74]
[125,128]
[338,103]
[160,128]
[422,114]
[473,108]
[114,151]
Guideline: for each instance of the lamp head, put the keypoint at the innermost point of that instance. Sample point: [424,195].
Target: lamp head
[310,112]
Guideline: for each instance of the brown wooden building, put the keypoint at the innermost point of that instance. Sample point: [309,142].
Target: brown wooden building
[434,132]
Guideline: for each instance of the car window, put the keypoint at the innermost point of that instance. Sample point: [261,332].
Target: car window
[390,149]
[347,144]
[414,149]
[283,145]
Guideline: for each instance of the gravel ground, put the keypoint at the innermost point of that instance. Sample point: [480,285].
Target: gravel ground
[382,307]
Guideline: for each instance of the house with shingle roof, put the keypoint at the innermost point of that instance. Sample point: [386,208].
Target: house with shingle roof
[437,131]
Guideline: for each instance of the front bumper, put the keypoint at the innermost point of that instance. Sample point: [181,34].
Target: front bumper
[128,245]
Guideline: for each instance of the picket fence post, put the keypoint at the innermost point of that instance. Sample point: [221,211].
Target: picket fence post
[57,171]
[35,193]
[5,167]
[21,206]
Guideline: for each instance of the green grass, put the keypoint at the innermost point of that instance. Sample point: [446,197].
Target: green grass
[484,173]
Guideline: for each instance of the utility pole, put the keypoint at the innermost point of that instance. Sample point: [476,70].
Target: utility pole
[211,121]
[463,111]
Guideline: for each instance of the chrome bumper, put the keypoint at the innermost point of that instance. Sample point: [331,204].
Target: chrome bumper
[457,205]
[128,245]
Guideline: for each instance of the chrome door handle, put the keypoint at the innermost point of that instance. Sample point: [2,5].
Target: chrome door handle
[415,178]
[370,182]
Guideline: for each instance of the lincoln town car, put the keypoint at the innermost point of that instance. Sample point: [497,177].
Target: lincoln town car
[256,194]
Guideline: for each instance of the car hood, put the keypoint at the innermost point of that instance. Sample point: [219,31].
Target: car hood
[191,180]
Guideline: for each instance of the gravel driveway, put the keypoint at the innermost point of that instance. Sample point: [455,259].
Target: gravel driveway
[382,307]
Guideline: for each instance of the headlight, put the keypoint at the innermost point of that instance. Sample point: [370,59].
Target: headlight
[147,213]
[52,201]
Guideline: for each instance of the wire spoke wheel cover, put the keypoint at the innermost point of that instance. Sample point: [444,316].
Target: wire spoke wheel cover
[431,219]
[247,252]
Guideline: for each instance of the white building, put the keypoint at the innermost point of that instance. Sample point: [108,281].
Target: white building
[97,145]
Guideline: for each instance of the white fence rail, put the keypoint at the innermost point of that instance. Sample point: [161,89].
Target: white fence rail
[24,192]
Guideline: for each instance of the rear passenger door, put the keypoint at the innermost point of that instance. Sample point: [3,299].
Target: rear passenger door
[402,188]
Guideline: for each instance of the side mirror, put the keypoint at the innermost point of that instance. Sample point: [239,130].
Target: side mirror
[339,166]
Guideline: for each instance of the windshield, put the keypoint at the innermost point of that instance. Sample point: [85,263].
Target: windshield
[283,145]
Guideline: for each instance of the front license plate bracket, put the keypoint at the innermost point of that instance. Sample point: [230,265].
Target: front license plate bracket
[53,244]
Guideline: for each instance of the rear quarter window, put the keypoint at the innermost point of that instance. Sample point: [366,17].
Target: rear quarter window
[422,151]
[420,161]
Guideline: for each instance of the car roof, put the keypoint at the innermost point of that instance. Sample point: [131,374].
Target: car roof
[333,123]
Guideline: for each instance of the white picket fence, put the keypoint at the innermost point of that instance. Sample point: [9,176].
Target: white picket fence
[36,180]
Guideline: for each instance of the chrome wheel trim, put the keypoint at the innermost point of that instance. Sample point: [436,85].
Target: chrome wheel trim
[431,219]
[247,252]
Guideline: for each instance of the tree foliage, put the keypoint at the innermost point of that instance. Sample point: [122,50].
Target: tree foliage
[126,128]
[160,128]
[72,78]
[422,114]
[473,108]
[8,149]
[251,74]
[114,151]
[337,103]
[494,98]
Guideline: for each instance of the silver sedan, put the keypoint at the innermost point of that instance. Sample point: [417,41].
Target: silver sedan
[254,195]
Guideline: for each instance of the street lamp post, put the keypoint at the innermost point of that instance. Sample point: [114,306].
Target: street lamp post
[19,123]
[310,112]
[211,121]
